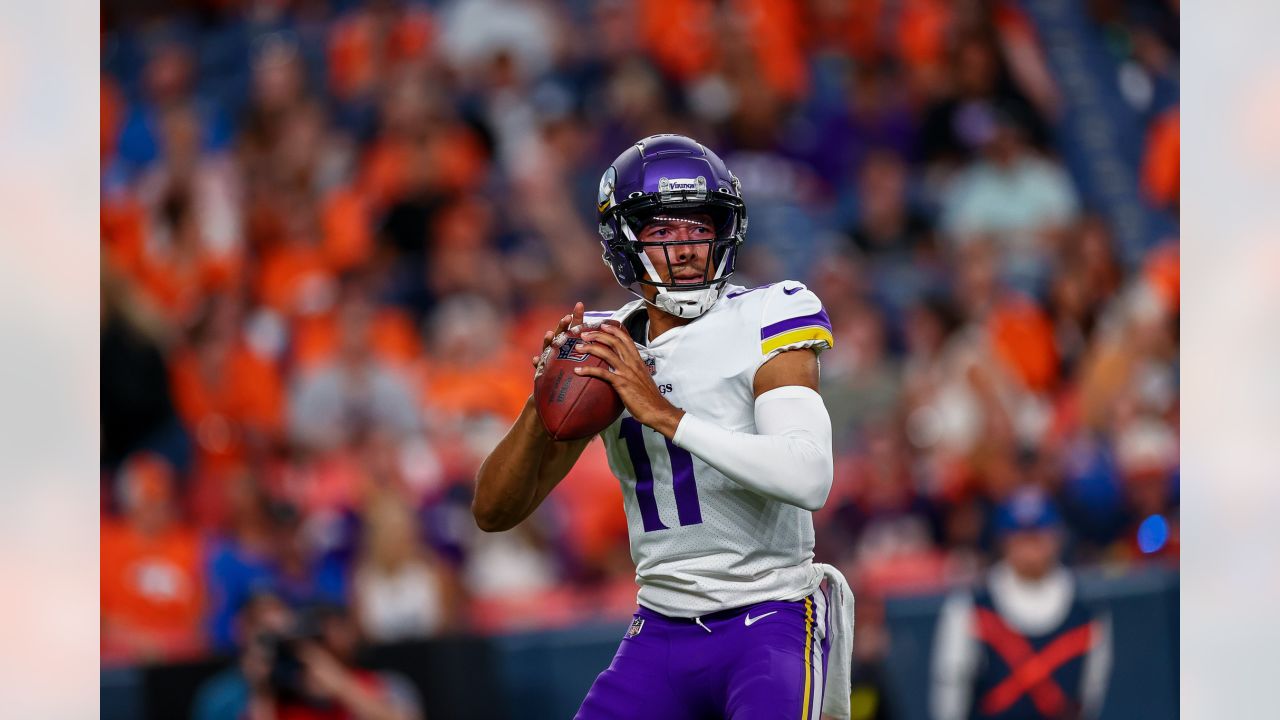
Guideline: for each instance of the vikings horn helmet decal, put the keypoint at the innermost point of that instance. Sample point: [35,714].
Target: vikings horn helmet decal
[667,174]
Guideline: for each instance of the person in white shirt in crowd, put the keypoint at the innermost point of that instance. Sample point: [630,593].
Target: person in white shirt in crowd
[1014,195]
[401,590]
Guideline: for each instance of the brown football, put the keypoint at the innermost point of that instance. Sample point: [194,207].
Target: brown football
[571,406]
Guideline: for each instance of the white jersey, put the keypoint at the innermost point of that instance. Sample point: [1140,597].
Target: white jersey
[701,542]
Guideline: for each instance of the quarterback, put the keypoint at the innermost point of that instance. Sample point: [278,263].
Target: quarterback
[723,453]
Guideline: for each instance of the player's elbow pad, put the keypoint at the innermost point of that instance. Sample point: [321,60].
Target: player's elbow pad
[789,459]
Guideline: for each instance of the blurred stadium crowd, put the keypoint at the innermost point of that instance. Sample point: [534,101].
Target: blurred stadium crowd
[333,234]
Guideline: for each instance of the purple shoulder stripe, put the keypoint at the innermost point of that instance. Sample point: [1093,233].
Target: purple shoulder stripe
[818,318]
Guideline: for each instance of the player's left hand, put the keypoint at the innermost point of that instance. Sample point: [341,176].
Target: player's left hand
[630,378]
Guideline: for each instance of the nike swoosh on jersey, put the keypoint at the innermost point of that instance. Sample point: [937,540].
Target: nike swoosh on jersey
[749,620]
[792,291]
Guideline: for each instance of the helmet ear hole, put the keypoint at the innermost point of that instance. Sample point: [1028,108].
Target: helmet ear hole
[621,265]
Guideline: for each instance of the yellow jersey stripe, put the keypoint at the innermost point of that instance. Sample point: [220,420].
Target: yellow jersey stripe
[808,657]
[812,332]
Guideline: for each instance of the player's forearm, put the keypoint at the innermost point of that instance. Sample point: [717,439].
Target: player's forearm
[507,482]
[520,472]
[789,461]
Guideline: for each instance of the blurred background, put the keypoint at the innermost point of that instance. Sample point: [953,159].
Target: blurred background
[334,232]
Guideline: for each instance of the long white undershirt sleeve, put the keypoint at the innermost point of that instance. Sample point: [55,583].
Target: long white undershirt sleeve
[789,459]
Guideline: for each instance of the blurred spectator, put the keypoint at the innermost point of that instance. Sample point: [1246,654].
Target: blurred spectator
[228,395]
[884,530]
[963,120]
[175,226]
[279,140]
[859,380]
[405,235]
[294,277]
[685,49]
[887,227]
[176,268]
[226,695]
[369,43]
[1132,363]
[554,169]
[1022,644]
[1021,199]
[1086,277]
[239,559]
[303,571]
[1092,495]
[941,417]
[393,338]
[471,373]
[462,260]
[355,392]
[167,84]
[892,239]
[302,666]
[478,31]
[153,593]
[137,410]
[266,549]
[880,129]
[515,564]
[636,102]
[1073,310]
[1147,456]
[978,395]
[1022,339]
[400,590]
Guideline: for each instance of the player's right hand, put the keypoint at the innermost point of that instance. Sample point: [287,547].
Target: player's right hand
[553,338]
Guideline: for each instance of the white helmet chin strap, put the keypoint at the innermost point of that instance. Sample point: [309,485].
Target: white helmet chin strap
[681,303]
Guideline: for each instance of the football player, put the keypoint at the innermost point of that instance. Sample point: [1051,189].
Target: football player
[723,453]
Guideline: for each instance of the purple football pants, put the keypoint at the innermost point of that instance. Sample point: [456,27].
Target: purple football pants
[718,666]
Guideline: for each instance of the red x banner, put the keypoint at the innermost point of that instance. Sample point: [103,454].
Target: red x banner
[1030,672]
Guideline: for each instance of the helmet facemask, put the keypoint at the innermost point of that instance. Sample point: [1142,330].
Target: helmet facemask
[649,260]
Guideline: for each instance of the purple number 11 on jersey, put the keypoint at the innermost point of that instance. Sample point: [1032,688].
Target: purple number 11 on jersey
[686,489]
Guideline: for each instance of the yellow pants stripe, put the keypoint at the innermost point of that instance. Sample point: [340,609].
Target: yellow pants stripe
[808,657]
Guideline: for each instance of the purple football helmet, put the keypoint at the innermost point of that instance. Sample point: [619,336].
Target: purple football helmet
[656,176]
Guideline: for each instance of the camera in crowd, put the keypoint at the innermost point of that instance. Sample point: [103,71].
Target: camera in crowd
[287,677]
